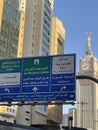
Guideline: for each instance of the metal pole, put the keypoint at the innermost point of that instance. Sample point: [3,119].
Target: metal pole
[70,119]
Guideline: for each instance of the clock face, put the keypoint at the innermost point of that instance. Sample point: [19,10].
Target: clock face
[85,66]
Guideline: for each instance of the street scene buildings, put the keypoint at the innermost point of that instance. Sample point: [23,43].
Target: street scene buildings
[27,29]
[87,90]
[33,22]
[86,112]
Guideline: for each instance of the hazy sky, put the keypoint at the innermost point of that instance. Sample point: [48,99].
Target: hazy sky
[78,17]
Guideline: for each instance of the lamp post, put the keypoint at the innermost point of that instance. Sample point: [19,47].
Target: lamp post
[70,119]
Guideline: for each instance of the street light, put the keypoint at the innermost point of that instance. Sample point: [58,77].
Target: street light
[70,119]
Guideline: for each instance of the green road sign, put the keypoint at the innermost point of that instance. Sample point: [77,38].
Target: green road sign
[12,65]
[36,66]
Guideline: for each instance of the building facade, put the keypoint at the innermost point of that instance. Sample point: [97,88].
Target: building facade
[9,28]
[36,42]
[37,34]
[25,30]
[57,37]
[87,107]
[11,13]
[57,48]
[8,113]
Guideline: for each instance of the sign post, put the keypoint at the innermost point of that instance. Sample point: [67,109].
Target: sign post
[50,78]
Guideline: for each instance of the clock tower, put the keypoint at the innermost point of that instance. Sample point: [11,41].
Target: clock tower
[87,104]
[88,63]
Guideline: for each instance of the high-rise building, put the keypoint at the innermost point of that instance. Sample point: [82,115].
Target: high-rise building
[22,8]
[9,28]
[37,32]
[25,30]
[57,37]
[36,42]
[57,47]
[87,109]
[11,13]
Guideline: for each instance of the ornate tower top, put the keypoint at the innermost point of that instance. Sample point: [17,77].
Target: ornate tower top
[88,48]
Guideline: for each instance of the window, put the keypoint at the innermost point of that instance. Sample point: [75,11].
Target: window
[34,21]
[26,119]
[33,28]
[46,29]
[47,16]
[45,36]
[48,3]
[45,44]
[46,22]
[47,8]
[13,110]
[44,51]
[34,13]
[33,36]
[7,109]
[27,112]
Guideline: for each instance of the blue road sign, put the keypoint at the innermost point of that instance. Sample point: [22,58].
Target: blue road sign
[50,78]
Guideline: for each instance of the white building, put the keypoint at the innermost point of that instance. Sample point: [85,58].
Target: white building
[87,107]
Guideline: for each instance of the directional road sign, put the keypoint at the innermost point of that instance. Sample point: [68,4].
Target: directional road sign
[44,78]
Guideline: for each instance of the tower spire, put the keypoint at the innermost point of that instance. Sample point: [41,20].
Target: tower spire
[88,48]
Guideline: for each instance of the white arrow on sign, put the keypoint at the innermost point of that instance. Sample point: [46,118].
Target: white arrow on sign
[35,89]
[7,90]
[71,95]
[63,88]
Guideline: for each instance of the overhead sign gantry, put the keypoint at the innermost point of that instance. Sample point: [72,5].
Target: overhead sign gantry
[43,78]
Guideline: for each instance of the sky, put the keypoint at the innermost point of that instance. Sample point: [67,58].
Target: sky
[78,17]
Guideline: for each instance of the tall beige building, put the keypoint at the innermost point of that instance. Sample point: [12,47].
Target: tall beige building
[87,110]
[36,42]
[22,8]
[25,27]
[57,47]
[37,32]
[25,30]
[12,18]
[57,37]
